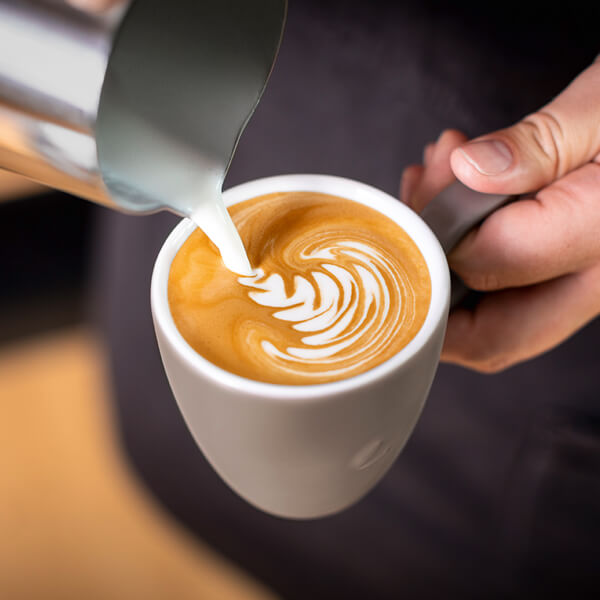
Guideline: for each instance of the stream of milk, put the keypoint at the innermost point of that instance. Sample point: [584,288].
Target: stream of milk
[212,217]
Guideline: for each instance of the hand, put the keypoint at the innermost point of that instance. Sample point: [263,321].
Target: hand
[539,258]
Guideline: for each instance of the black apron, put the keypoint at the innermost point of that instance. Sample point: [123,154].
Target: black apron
[497,494]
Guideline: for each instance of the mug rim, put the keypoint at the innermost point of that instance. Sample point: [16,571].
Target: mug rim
[350,189]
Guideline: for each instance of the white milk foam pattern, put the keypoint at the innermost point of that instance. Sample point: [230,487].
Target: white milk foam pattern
[354,316]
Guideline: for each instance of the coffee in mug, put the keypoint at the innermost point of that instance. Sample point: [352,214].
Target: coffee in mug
[338,289]
[303,448]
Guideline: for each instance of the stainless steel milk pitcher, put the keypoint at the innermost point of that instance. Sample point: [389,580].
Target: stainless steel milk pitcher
[133,108]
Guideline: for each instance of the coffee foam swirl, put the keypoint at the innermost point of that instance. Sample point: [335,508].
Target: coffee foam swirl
[338,289]
[350,311]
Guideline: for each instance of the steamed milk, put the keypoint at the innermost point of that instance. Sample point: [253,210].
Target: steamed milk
[337,288]
[212,217]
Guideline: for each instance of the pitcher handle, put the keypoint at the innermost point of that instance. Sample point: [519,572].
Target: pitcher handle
[452,214]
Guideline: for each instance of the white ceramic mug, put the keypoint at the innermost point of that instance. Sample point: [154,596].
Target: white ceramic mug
[305,451]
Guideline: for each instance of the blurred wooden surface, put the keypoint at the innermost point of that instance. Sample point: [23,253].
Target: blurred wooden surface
[74,523]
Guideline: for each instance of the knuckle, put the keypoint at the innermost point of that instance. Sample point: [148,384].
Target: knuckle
[483,360]
[547,133]
[486,358]
[494,364]
[478,344]
[485,281]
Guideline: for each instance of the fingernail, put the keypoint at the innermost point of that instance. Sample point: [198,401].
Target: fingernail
[489,157]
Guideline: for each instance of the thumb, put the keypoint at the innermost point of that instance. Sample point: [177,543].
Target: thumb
[541,148]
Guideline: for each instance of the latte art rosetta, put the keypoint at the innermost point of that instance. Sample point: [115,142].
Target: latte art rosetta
[338,288]
[348,313]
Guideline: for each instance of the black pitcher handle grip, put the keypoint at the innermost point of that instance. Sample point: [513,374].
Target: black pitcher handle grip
[452,214]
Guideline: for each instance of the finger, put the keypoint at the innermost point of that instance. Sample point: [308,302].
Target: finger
[541,148]
[438,173]
[428,153]
[95,5]
[514,325]
[536,239]
[410,179]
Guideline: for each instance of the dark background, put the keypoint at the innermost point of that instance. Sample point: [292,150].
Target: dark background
[45,250]
[498,492]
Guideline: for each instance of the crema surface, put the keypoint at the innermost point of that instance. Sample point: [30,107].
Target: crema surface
[338,288]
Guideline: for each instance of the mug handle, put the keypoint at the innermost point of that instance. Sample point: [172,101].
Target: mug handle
[452,214]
